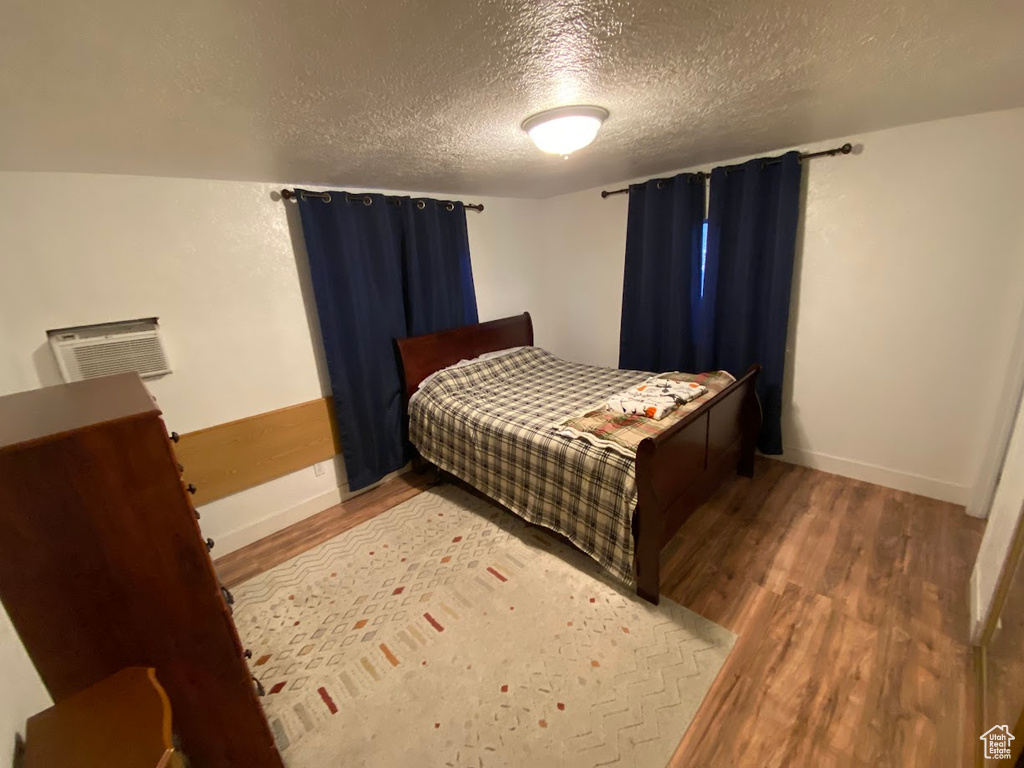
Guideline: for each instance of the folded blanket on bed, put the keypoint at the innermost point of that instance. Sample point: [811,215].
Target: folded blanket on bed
[622,432]
[656,397]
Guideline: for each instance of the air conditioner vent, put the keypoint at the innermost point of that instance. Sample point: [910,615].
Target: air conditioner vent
[89,351]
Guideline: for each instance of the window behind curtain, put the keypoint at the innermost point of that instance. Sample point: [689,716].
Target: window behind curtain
[703,254]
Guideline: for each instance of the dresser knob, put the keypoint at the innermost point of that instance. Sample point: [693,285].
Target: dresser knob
[228,597]
[247,653]
[209,544]
[190,488]
[259,687]
[175,437]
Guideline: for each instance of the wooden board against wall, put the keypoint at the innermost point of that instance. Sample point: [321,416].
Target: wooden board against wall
[231,457]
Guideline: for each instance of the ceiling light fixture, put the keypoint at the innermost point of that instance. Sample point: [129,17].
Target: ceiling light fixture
[563,130]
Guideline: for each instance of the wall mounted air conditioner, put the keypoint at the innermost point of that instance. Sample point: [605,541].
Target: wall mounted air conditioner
[89,351]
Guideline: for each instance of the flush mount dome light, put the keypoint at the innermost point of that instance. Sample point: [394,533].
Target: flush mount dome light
[563,130]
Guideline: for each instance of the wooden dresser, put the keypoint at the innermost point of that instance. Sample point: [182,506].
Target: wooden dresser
[102,564]
[124,721]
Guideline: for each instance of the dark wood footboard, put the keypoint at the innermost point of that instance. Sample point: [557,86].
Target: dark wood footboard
[679,469]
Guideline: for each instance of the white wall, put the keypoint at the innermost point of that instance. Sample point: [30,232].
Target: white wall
[906,295]
[23,693]
[1003,519]
[504,242]
[222,266]
[980,502]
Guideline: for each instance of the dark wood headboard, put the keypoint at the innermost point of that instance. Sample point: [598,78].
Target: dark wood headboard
[423,355]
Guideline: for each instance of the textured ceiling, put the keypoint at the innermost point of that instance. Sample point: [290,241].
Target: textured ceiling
[429,95]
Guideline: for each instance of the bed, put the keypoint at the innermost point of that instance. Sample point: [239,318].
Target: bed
[490,424]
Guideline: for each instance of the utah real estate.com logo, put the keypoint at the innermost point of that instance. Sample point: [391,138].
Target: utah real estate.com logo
[997,742]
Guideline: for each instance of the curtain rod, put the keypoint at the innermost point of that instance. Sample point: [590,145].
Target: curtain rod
[293,194]
[843,150]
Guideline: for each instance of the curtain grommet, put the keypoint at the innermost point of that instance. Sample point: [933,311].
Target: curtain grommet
[450,206]
[420,204]
[367,201]
[661,184]
[327,197]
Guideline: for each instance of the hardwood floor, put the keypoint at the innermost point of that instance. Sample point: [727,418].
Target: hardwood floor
[1004,689]
[849,600]
[243,564]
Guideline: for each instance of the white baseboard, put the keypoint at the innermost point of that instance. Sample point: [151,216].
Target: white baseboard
[278,521]
[872,473]
[252,532]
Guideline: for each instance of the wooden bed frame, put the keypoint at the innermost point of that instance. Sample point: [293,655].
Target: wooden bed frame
[676,470]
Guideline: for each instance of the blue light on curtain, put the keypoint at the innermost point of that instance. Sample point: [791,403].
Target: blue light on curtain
[703,254]
[752,224]
[381,271]
[662,279]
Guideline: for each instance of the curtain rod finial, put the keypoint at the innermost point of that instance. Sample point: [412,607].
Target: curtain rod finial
[846,148]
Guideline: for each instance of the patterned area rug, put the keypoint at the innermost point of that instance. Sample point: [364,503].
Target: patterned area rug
[447,632]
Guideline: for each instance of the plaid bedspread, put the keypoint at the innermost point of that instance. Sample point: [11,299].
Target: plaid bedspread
[623,431]
[490,423]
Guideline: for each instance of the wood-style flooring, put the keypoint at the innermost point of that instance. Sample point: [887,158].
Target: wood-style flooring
[849,600]
[243,564]
[1004,670]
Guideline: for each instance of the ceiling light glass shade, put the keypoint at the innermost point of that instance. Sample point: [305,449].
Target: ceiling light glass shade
[563,130]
